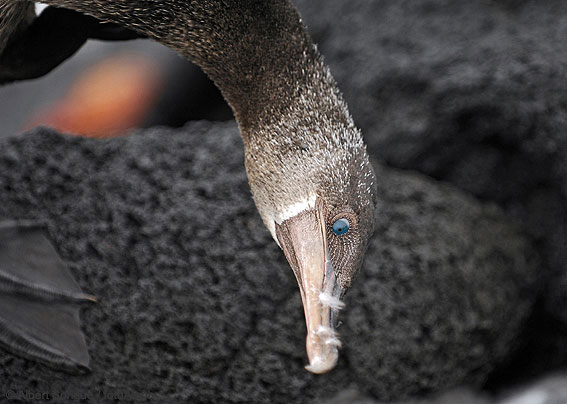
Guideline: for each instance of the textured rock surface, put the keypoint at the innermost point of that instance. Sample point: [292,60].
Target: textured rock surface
[197,302]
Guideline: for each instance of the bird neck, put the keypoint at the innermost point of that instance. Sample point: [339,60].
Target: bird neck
[258,53]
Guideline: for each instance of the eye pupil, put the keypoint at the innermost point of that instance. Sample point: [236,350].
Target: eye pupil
[341,227]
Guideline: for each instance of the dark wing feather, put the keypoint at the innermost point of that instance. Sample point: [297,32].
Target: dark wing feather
[39,300]
[30,49]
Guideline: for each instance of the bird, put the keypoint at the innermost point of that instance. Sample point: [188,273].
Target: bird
[307,165]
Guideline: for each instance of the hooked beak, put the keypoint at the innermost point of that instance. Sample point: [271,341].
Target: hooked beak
[304,242]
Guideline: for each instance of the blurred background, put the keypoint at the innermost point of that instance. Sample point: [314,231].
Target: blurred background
[108,88]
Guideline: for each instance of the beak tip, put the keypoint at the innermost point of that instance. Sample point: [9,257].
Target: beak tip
[322,364]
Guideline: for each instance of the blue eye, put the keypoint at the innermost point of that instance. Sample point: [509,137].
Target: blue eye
[341,227]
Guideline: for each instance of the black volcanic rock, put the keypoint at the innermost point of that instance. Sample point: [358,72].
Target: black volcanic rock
[197,303]
[446,278]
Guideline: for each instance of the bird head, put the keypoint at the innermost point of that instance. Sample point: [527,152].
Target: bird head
[315,191]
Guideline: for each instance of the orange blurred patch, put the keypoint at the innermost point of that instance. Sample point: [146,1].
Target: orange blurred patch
[107,99]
